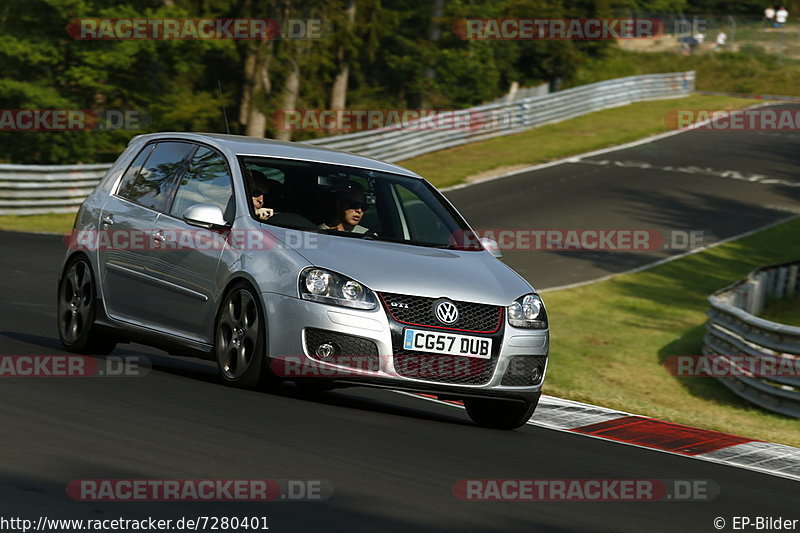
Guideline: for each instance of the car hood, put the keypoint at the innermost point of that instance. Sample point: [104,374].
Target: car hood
[418,270]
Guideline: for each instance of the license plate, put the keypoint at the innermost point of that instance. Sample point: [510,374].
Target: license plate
[447,343]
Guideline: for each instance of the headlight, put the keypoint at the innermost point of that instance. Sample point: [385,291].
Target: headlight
[328,287]
[527,312]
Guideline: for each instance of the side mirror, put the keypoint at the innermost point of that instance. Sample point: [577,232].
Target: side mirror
[492,247]
[205,216]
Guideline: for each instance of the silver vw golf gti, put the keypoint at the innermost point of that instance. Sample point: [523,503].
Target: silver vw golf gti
[286,261]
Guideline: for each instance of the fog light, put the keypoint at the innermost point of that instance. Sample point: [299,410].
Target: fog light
[536,375]
[325,350]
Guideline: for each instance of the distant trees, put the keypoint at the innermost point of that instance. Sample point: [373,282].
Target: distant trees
[371,54]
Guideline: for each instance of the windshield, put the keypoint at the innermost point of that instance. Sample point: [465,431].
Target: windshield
[352,202]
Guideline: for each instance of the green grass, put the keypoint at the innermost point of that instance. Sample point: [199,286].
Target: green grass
[582,134]
[52,223]
[783,311]
[610,339]
[749,71]
[762,33]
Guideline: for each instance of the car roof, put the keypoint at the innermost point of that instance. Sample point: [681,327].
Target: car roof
[243,145]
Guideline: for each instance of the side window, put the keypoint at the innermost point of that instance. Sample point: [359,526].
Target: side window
[153,185]
[207,181]
[133,171]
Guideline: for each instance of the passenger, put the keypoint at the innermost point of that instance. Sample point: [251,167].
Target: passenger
[351,205]
[262,213]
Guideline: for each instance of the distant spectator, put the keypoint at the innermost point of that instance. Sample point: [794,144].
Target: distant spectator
[721,38]
[688,45]
[769,15]
[780,17]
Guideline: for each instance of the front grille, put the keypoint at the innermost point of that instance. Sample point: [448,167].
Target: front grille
[349,351]
[521,369]
[419,311]
[453,369]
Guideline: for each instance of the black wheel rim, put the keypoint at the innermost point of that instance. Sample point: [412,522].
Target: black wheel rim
[75,302]
[237,334]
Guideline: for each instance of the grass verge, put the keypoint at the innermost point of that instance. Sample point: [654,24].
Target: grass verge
[610,339]
[554,141]
[751,70]
[52,223]
[783,311]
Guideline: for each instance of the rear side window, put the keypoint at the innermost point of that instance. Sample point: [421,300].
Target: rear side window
[133,171]
[152,186]
[207,181]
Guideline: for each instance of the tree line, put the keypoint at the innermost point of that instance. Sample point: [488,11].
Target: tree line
[371,54]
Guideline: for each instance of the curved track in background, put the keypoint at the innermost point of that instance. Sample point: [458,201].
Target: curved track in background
[392,459]
[695,181]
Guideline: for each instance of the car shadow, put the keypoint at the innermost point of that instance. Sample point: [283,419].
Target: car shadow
[206,371]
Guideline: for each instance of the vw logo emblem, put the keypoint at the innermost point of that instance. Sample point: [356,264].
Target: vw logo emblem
[446,312]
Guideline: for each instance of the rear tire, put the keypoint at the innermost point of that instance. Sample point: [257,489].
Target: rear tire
[240,339]
[499,414]
[77,310]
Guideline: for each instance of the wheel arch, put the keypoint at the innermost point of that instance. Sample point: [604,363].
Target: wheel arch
[240,278]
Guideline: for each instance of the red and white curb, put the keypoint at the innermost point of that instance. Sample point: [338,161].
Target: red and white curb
[653,434]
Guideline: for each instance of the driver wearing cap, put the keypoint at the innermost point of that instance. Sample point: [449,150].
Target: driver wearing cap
[351,204]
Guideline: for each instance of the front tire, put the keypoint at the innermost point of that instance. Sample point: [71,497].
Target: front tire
[499,414]
[240,339]
[77,309]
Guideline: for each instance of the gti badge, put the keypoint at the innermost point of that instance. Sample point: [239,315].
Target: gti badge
[399,304]
[446,312]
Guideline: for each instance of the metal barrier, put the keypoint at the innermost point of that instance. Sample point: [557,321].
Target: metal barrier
[733,329]
[33,189]
[497,119]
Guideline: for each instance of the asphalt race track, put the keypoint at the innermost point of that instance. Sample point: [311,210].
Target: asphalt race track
[591,196]
[392,459]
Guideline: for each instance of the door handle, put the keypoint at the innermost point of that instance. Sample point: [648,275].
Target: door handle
[108,220]
[159,236]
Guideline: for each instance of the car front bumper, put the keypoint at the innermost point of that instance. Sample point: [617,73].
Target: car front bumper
[289,320]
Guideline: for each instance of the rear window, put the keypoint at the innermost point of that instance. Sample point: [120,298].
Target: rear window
[150,180]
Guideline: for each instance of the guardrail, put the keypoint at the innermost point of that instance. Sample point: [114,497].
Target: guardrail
[31,189]
[35,189]
[733,329]
[497,119]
